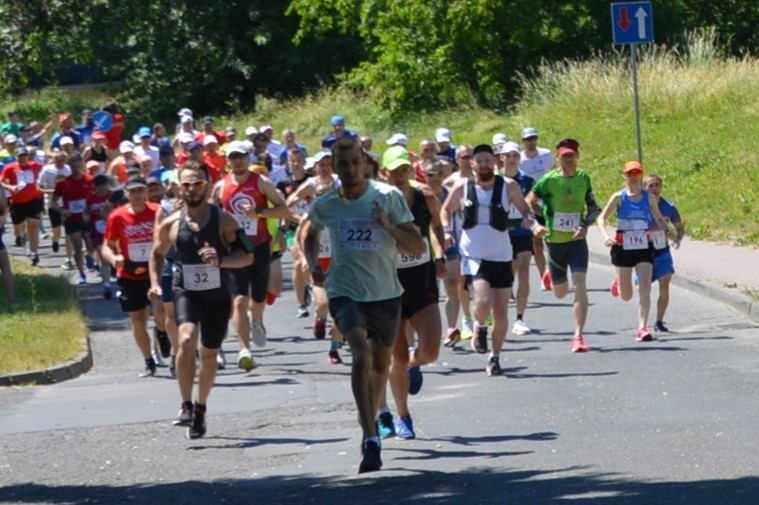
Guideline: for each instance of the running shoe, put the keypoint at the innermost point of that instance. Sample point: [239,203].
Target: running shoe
[415,380]
[659,327]
[245,360]
[320,328]
[163,342]
[107,292]
[185,415]
[68,264]
[578,344]
[493,367]
[480,342]
[452,337]
[158,360]
[545,281]
[221,360]
[467,328]
[301,312]
[614,288]
[643,335]
[35,260]
[56,246]
[370,457]
[333,356]
[258,334]
[270,298]
[520,328]
[89,261]
[385,425]
[150,368]
[198,424]
[82,280]
[404,428]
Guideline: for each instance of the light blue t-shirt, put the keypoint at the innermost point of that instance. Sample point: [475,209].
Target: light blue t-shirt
[363,266]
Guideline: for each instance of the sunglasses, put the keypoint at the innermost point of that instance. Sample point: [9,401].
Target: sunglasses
[198,184]
[465,157]
[432,174]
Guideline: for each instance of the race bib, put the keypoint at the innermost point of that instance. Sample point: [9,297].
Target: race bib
[77,206]
[249,226]
[514,212]
[406,260]
[325,244]
[201,277]
[659,238]
[26,176]
[634,240]
[566,221]
[140,251]
[100,226]
[359,235]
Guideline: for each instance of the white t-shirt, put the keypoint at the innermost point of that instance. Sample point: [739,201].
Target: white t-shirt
[49,177]
[538,166]
[483,242]
[151,151]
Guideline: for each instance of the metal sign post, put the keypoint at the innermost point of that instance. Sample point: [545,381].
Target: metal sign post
[633,23]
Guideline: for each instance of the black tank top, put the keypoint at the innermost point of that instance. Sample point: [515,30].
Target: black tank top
[99,156]
[189,242]
[422,216]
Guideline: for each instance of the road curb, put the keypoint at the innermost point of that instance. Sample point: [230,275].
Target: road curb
[65,371]
[728,296]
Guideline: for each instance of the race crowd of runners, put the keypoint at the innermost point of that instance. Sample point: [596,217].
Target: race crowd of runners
[172,225]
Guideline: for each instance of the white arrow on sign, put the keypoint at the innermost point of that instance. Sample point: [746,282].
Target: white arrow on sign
[641,15]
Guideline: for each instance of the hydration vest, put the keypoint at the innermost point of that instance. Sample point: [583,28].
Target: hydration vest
[499,217]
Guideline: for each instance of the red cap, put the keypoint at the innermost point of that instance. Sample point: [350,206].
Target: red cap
[566,150]
[98,135]
[633,166]
[63,117]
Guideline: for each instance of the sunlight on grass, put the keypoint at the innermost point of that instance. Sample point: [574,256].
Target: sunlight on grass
[46,327]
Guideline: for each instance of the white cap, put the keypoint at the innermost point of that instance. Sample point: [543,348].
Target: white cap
[64,140]
[236,146]
[184,111]
[529,132]
[251,130]
[210,139]
[185,119]
[11,138]
[442,135]
[184,137]
[508,147]
[266,127]
[500,138]
[398,139]
[310,162]
[124,147]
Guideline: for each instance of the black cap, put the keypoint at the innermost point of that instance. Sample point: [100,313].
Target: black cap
[135,182]
[133,166]
[207,120]
[101,179]
[482,148]
[22,150]
[153,180]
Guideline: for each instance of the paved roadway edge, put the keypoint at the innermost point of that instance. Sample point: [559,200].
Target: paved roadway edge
[83,363]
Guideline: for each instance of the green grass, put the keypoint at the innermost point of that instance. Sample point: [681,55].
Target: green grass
[46,326]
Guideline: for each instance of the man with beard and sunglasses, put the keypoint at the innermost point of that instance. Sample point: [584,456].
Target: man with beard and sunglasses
[485,245]
[206,240]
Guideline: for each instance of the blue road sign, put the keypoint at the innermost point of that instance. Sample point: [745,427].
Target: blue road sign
[632,22]
[102,120]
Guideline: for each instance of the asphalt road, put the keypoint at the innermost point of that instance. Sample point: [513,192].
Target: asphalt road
[672,421]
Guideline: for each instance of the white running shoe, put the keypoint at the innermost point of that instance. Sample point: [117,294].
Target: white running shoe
[245,360]
[221,361]
[258,335]
[520,328]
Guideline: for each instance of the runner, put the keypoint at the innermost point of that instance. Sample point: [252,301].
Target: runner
[206,240]
[663,265]
[72,192]
[127,246]
[418,274]
[365,219]
[20,179]
[97,216]
[569,208]
[535,162]
[50,175]
[631,247]
[521,238]
[246,195]
[486,251]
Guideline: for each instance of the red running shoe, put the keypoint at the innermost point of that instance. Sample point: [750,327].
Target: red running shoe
[614,288]
[578,344]
[546,280]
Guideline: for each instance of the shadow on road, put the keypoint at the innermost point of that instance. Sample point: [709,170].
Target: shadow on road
[466,485]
